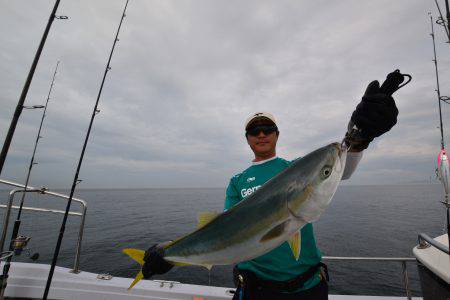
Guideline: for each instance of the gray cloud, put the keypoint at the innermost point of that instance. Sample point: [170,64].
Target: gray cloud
[186,74]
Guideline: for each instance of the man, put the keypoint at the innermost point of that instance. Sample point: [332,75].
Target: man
[277,274]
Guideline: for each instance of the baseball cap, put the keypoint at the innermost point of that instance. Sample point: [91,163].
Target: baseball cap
[258,116]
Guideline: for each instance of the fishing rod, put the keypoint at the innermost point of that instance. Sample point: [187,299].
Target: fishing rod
[441,20]
[23,95]
[438,91]
[443,161]
[75,180]
[15,231]
[38,137]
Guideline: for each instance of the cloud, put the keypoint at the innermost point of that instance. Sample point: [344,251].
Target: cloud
[186,74]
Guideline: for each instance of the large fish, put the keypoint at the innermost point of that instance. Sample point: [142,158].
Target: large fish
[264,220]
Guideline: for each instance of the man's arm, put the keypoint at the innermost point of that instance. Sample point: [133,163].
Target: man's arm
[375,115]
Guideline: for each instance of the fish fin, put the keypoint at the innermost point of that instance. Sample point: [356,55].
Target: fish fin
[206,217]
[135,254]
[296,244]
[274,232]
[138,278]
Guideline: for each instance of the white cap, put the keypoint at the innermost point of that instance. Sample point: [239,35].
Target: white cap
[260,115]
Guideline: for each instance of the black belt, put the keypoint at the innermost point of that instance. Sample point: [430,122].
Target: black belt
[248,280]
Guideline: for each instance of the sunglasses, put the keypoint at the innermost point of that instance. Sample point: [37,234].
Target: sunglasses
[266,129]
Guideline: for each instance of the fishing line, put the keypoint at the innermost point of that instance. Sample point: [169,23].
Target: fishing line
[23,95]
[76,180]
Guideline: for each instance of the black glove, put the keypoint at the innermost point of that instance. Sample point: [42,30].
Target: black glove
[155,262]
[375,115]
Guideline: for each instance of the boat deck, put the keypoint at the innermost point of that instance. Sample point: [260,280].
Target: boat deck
[27,281]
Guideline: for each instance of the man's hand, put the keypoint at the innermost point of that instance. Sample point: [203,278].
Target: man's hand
[375,115]
[155,262]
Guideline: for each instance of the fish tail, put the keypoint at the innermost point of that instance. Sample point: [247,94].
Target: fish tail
[138,256]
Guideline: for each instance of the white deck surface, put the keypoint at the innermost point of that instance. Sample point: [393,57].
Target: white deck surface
[437,261]
[28,280]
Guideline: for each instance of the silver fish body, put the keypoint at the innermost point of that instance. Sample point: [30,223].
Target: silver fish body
[268,217]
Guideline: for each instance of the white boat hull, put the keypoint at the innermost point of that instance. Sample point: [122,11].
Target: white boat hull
[28,280]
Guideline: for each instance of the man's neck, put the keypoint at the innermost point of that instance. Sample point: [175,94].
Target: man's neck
[261,158]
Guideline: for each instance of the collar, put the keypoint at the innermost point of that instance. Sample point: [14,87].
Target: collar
[255,163]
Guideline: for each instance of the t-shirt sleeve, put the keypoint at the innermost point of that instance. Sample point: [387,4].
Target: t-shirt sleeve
[352,161]
[232,196]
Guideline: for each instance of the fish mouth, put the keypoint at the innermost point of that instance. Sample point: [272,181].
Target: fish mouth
[341,155]
[340,148]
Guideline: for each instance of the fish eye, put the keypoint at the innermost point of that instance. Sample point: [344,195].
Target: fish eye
[325,172]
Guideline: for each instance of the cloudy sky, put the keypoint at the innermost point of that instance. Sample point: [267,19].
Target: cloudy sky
[186,74]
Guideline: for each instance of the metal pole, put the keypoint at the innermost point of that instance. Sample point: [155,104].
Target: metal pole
[38,137]
[406,280]
[23,95]
[75,180]
[6,218]
[76,264]
[7,265]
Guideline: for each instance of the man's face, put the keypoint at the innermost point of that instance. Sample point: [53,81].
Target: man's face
[262,144]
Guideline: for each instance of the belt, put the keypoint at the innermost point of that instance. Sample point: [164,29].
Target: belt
[247,279]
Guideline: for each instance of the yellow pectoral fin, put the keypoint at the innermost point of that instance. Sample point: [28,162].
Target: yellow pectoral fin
[135,254]
[138,278]
[296,243]
[206,217]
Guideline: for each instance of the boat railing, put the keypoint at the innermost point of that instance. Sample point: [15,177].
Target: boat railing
[9,206]
[402,260]
[426,241]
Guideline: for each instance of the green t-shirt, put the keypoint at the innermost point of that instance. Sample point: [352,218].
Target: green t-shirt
[280,263]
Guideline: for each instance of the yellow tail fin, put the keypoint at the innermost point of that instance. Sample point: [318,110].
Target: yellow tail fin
[137,255]
[138,278]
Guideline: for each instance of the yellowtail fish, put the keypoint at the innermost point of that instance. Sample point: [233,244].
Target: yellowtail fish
[265,219]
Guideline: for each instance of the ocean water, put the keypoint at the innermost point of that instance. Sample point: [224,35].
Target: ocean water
[361,221]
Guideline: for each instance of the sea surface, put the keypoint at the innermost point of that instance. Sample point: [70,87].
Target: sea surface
[361,221]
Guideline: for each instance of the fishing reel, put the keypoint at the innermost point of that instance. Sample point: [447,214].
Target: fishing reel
[19,244]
